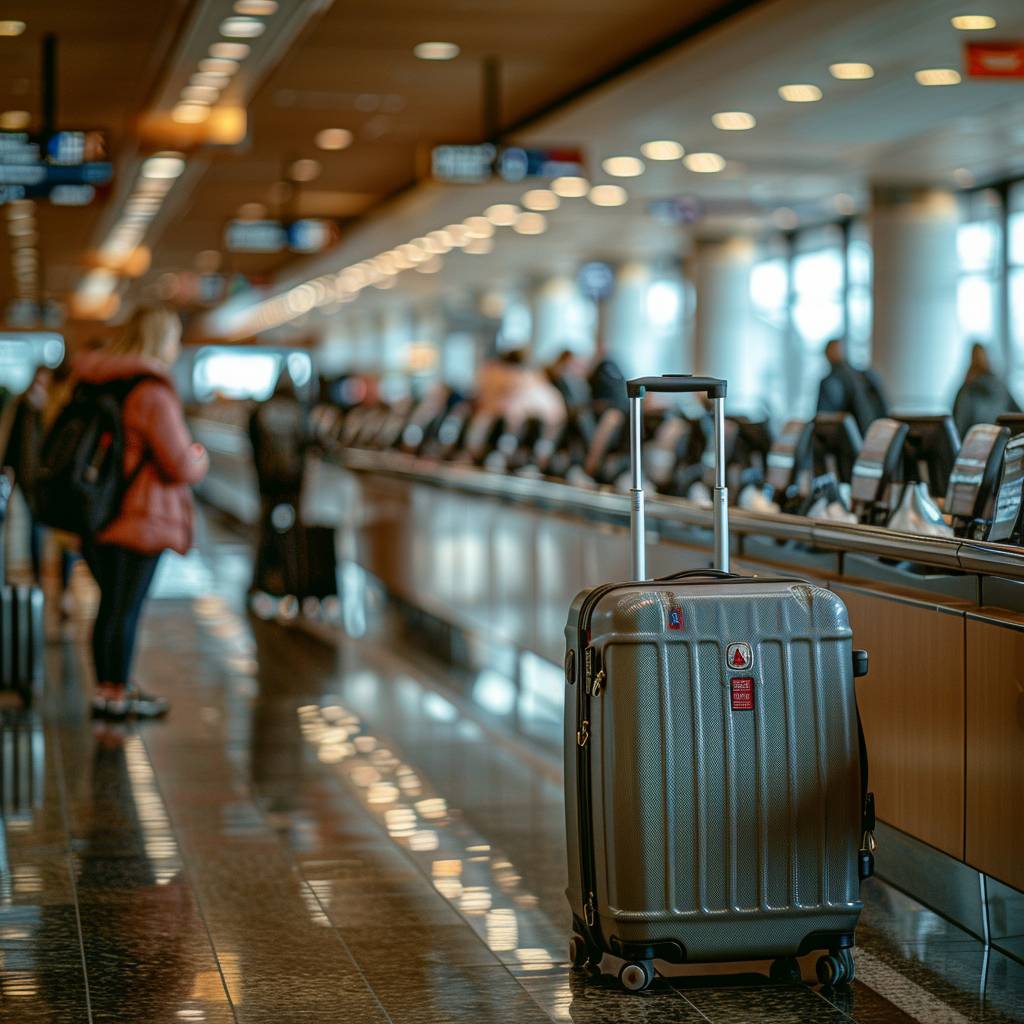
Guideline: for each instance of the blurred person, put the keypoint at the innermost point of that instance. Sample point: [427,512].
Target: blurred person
[161,461]
[63,546]
[24,426]
[847,389]
[983,396]
[607,385]
[510,388]
[566,373]
[280,433]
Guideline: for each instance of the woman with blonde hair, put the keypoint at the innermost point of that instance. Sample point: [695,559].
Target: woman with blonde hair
[161,462]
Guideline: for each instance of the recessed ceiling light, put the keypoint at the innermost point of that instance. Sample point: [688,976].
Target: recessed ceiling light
[623,166]
[479,246]
[190,113]
[304,170]
[242,28]
[217,66]
[208,261]
[15,120]
[258,8]
[540,199]
[703,163]
[800,93]
[333,138]
[570,187]
[200,94]
[662,149]
[963,178]
[502,215]
[844,204]
[973,22]
[11,28]
[937,76]
[230,51]
[785,218]
[851,71]
[21,208]
[478,227]
[608,195]
[733,121]
[530,224]
[457,234]
[431,266]
[436,51]
[252,211]
[210,80]
[441,241]
[163,165]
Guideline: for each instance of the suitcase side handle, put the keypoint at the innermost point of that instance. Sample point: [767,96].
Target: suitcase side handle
[680,383]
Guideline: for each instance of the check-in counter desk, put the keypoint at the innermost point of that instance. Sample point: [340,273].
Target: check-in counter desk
[943,620]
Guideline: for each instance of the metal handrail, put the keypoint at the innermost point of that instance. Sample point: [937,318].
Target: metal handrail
[942,552]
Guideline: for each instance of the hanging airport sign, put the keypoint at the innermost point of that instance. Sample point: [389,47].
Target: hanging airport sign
[474,165]
[994,59]
[681,210]
[307,235]
[65,168]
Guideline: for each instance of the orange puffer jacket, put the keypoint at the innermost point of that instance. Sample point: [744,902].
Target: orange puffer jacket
[156,514]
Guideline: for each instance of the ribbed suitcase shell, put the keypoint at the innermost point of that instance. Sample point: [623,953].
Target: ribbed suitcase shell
[733,833]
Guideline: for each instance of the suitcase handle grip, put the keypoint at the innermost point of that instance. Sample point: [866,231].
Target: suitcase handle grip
[715,573]
[677,383]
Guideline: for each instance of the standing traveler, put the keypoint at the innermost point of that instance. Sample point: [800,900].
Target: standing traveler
[983,396]
[567,374]
[847,389]
[155,515]
[24,428]
[509,387]
[607,386]
[280,432]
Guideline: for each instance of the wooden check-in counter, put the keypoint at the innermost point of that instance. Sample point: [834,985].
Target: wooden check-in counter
[942,620]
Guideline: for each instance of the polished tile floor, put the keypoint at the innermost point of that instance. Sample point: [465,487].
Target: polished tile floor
[324,831]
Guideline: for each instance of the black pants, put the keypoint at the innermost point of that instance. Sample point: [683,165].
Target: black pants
[124,577]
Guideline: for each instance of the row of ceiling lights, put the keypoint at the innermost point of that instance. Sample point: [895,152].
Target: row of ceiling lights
[801,92]
[214,72]
[24,238]
[475,236]
[123,252]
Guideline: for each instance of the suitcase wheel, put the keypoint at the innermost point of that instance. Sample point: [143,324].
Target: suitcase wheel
[636,976]
[837,969]
[785,971]
[580,954]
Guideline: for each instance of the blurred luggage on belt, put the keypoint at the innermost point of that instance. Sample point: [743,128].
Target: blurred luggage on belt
[716,777]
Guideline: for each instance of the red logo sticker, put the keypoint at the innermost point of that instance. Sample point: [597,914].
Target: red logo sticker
[742,693]
[675,618]
[738,656]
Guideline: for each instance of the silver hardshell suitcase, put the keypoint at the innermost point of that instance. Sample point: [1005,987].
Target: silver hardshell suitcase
[716,779]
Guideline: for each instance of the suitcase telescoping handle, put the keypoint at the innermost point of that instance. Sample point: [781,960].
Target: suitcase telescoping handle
[681,383]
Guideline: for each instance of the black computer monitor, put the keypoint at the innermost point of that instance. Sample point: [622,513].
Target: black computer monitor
[837,443]
[930,449]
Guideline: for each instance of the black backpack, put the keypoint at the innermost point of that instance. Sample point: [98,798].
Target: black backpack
[80,481]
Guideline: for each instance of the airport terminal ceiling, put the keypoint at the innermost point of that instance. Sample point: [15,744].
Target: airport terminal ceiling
[597,76]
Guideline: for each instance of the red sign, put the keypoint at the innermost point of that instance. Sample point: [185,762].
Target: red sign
[994,60]
[742,693]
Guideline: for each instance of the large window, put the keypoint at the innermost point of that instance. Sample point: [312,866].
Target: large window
[979,251]
[1015,289]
